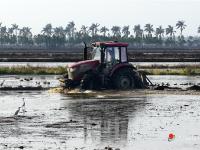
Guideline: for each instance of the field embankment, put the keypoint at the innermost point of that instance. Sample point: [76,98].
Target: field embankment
[136,55]
[32,70]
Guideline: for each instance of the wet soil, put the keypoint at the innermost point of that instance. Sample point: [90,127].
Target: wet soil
[114,119]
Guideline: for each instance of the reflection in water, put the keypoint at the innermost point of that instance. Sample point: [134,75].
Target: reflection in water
[56,121]
[105,120]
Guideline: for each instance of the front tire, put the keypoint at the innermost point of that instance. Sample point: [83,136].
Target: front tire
[90,81]
[86,82]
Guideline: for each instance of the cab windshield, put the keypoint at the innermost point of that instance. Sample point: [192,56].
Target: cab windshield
[96,53]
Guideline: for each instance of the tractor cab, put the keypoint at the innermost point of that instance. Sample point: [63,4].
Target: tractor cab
[110,52]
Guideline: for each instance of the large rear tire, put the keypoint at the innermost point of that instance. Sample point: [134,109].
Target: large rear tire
[126,78]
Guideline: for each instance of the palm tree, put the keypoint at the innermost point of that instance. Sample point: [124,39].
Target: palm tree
[59,37]
[25,31]
[170,30]
[15,28]
[11,37]
[198,29]
[149,29]
[94,29]
[181,25]
[126,31]
[104,30]
[25,35]
[138,31]
[116,30]
[3,34]
[70,29]
[159,32]
[84,30]
[47,30]
[59,31]
[10,31]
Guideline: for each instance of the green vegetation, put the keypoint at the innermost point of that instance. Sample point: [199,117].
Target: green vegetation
[177,71]
[70,37]
[31,70]
[24,70]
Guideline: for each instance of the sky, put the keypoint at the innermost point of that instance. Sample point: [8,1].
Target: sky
[37,13]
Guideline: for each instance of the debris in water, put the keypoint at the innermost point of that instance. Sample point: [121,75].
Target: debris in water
[56,90]
[108,148]
[37,83]
[45,82]
[194,87]
[166,87]
[21,147]
[93,124]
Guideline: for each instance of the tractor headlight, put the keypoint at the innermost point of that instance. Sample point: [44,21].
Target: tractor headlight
[73,72]
[74,69]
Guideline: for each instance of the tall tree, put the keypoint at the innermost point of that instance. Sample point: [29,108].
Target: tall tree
[198,29]
[11,36]
[94,29]
[125,31]
[3,34]
[70,29]
[138,31]
[25,35]
[170,31]
[15,28]
[116,30]
[181,25]
[104,30]
[159,32]
[149,29]
[59,31]
[59,36]
[47,30]
[84,30]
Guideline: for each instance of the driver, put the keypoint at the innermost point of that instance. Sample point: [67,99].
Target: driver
[110,55]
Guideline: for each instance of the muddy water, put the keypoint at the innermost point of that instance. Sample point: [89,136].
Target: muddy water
[140,121]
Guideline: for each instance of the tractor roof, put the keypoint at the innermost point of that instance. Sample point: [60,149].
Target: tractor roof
[110,44]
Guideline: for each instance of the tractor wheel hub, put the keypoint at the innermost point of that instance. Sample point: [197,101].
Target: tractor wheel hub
[125,83]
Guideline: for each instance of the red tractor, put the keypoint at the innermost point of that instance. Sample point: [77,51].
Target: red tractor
[108,68]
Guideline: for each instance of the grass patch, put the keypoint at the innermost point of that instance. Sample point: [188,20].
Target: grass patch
[59,70]
[177,71]
[34,70]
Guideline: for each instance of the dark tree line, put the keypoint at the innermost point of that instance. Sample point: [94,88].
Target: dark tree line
[70,36]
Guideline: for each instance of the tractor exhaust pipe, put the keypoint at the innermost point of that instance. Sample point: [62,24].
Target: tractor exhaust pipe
[85,51]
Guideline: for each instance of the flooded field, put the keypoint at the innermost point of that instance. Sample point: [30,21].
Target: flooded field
[55,64]
[137,121]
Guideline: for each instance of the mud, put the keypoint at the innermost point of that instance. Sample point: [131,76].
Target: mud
[114,119]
